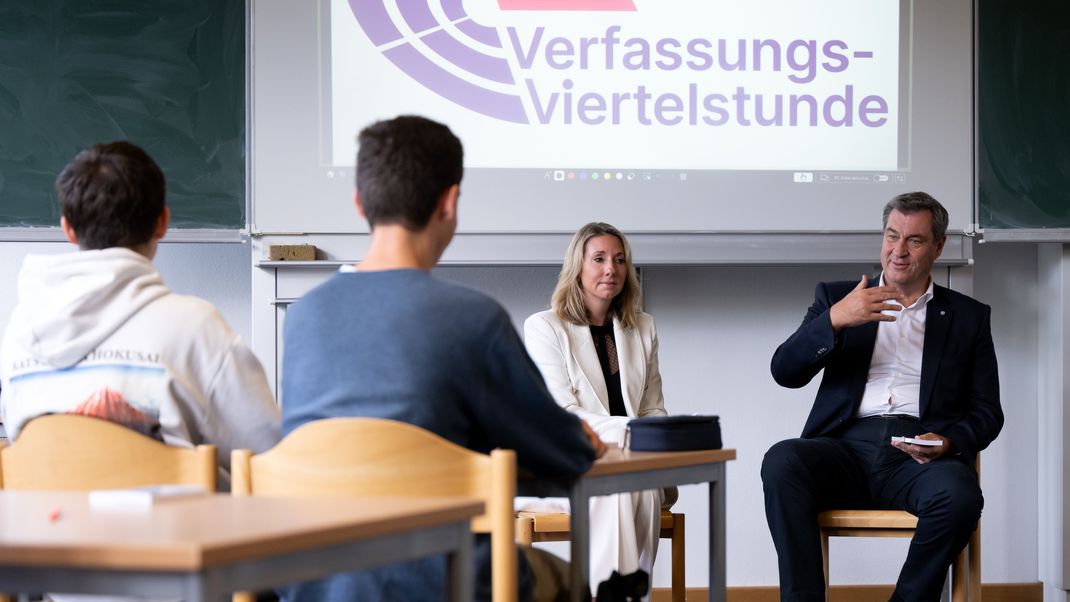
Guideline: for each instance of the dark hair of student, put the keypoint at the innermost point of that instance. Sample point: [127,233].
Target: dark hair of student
[403,167]
[112,195]
[913,202]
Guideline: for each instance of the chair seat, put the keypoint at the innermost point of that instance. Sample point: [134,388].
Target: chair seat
[868,519]
[558,522]
[966,570]
[555,526]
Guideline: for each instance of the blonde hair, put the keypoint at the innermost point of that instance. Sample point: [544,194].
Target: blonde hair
[567,301]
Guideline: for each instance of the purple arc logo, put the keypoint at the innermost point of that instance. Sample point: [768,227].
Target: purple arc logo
[491,72]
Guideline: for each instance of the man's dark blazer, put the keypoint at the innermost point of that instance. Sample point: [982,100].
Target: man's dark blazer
[959,383]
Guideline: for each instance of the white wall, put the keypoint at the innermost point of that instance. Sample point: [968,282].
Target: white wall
[218,272]
[1006,278]
[1053,420]
[718,328]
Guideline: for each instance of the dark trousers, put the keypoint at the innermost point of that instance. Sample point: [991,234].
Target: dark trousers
[858,468]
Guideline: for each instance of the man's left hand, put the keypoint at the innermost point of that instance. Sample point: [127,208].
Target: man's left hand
[923,454]
[596,441]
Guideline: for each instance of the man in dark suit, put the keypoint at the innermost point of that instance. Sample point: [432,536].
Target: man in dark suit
[902,357]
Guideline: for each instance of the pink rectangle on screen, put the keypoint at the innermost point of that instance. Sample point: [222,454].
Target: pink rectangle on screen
[617,5]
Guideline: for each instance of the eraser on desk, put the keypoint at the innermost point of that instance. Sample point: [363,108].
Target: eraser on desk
[291,252]
[141,498]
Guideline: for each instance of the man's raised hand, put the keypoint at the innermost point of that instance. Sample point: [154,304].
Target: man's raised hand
[865,304]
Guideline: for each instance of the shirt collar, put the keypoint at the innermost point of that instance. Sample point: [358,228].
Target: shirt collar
[923,300]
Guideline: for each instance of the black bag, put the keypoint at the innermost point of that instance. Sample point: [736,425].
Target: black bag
[674,433]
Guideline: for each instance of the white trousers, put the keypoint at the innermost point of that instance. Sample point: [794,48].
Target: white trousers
[625,528]
[624,534]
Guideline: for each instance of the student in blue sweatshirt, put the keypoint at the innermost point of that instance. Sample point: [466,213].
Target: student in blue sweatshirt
[386,339]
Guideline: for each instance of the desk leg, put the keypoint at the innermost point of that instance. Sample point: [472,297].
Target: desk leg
[580,557]
[197,590]
[461,572]
[718,589]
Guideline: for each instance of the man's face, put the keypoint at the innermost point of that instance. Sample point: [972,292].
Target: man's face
[909,251]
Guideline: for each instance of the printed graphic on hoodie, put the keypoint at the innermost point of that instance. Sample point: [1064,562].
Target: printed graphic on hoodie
[127,394]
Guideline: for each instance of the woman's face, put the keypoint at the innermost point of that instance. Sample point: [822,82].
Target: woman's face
[604,269]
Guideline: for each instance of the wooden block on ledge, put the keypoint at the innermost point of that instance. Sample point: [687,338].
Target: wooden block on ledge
[292,252]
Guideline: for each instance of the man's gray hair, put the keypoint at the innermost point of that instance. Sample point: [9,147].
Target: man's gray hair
[913,202]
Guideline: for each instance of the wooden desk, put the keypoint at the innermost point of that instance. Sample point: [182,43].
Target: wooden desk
[619,471]
[203,548]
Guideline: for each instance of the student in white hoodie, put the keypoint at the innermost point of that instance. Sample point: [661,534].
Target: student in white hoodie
[96,332]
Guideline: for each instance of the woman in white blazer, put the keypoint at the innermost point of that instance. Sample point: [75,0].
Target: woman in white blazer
[599,357]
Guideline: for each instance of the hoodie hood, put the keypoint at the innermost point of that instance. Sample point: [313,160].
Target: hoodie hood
[70,303]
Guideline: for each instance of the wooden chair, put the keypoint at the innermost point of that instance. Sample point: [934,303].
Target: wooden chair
[552,526]
[78,453]
[965,571]
[376,457]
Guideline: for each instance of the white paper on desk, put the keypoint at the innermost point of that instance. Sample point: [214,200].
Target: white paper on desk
[141,498]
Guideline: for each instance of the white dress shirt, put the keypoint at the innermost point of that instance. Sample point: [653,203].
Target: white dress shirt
[893,385]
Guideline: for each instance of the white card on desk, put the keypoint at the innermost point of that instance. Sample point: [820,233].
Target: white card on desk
[141,498]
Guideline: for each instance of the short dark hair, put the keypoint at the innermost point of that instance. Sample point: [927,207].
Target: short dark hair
[913,202]
[112,195]
[403,167]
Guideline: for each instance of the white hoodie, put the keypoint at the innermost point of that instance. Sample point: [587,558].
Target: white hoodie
[98,333]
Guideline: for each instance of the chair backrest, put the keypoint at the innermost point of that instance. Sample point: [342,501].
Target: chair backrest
[378,457]
[78,453]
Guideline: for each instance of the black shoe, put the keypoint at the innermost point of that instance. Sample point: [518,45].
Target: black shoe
[624,588]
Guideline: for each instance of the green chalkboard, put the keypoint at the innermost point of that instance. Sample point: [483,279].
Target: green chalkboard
[1024,114]
[168,75]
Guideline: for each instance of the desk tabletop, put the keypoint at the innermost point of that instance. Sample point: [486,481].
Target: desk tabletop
[618,461]
[60,529]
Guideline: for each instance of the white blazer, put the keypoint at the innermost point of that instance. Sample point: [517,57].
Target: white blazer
[624,527]
[566,356]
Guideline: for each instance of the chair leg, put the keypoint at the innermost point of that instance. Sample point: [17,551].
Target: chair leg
[959,574]
[825,562]
[679,584]
[974,574]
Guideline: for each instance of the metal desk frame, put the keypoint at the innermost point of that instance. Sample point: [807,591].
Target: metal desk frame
[603,482]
